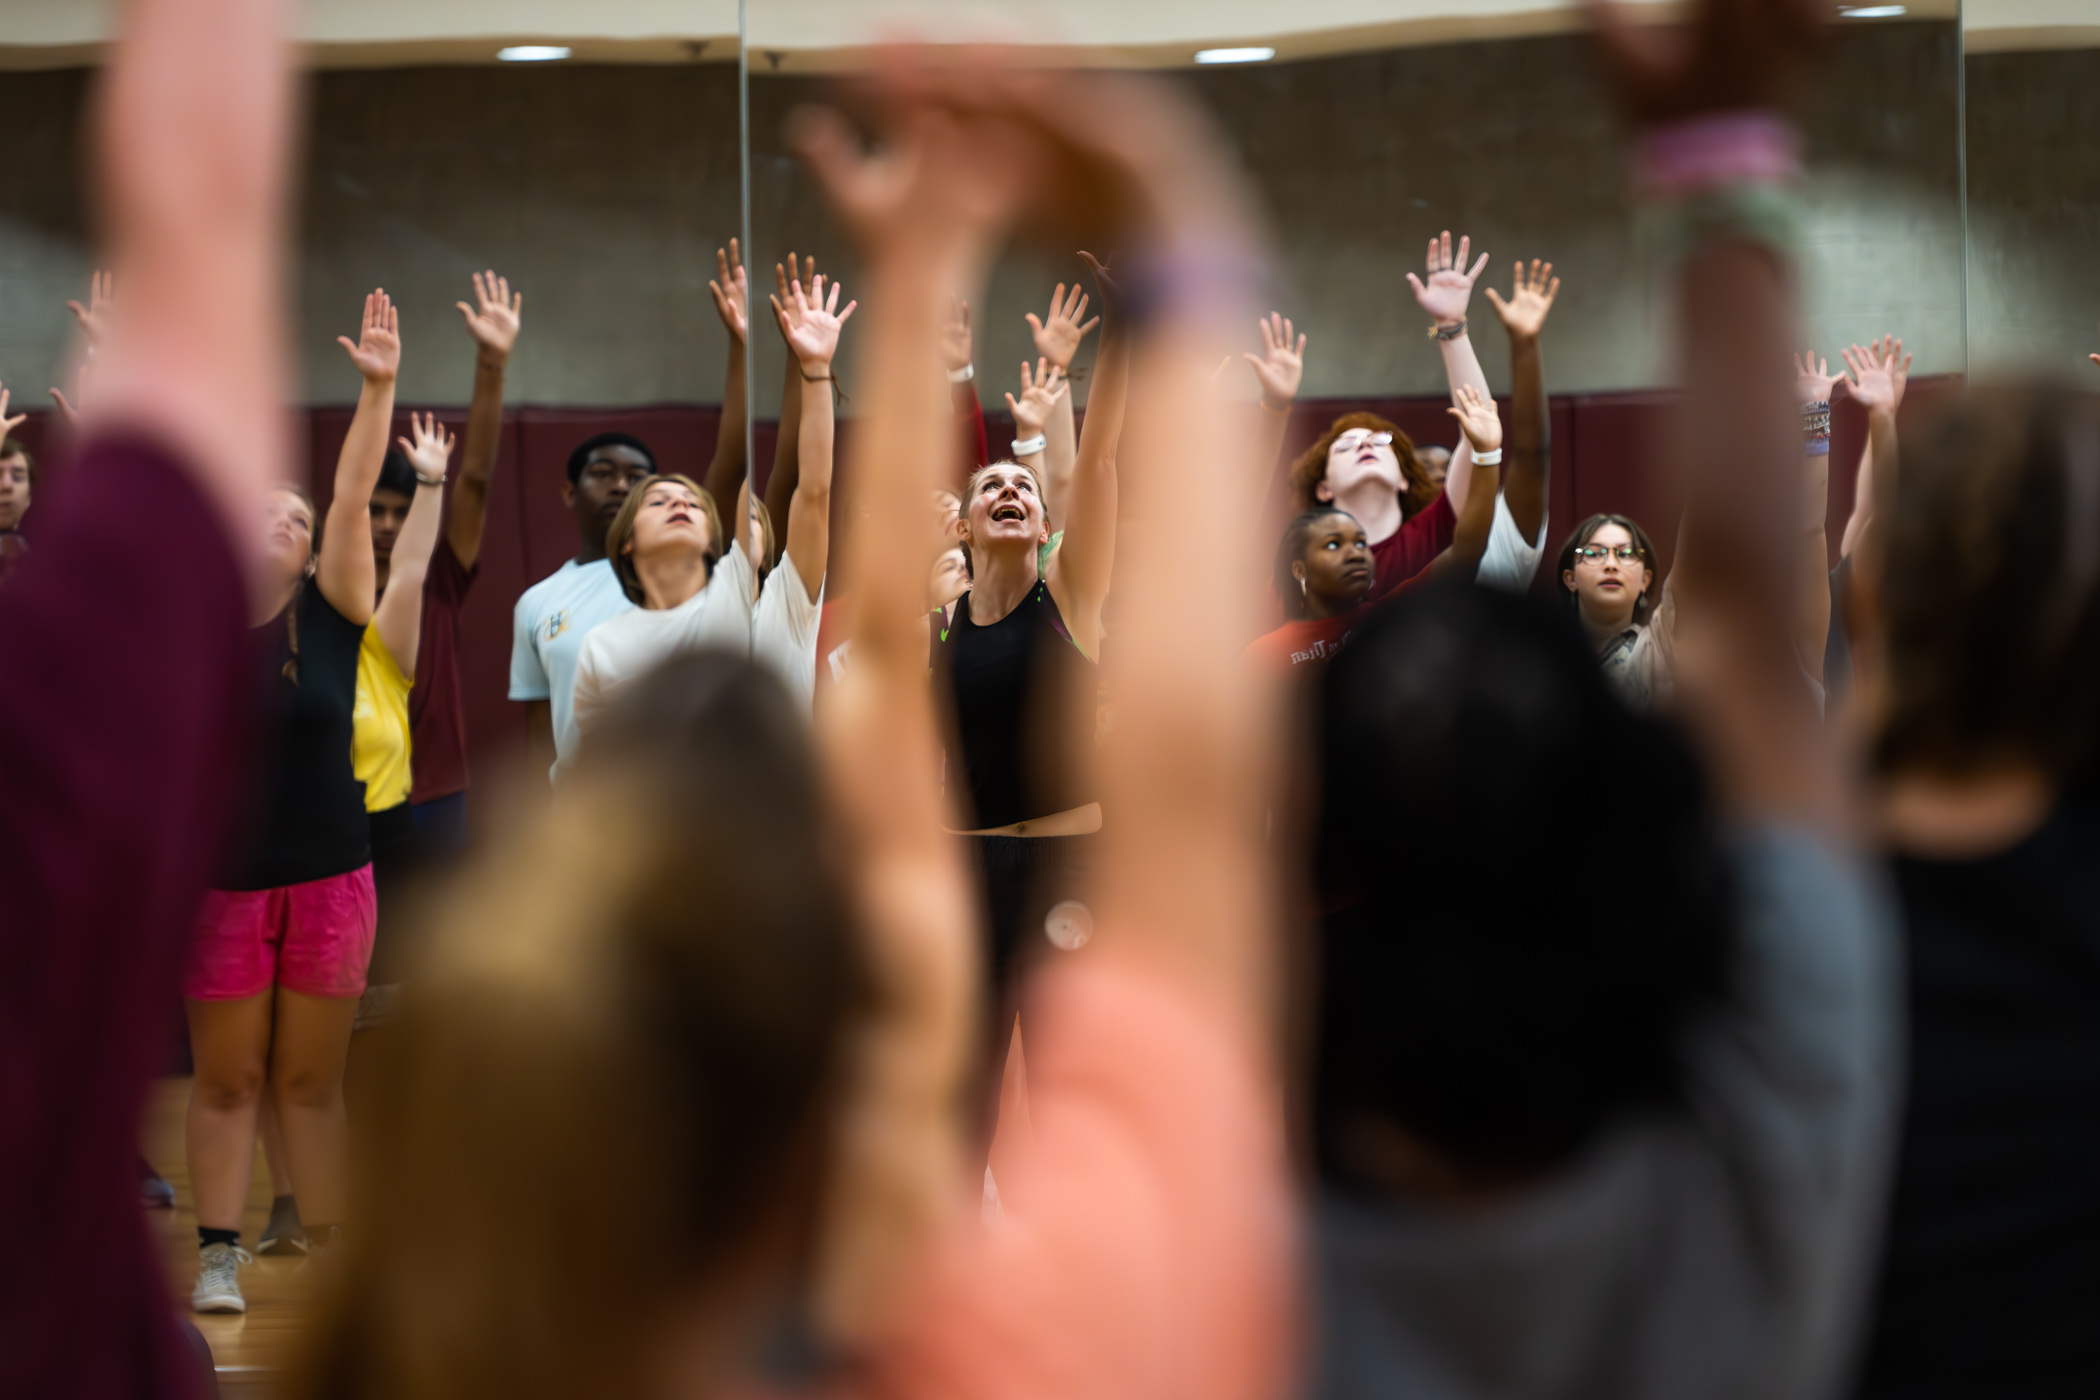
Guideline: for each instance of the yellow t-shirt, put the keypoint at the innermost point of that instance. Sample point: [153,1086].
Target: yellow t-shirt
[379,739]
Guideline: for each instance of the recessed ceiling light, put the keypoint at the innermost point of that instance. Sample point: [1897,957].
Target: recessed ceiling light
[1234,55]
[532,53]
[1872,11]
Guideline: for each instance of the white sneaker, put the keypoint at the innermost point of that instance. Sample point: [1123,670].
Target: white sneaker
[218,1287]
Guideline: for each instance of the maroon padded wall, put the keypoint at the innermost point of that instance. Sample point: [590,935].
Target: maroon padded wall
[1606,457]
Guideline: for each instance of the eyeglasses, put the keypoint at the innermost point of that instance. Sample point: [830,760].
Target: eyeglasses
[1349,441]
[1597,553]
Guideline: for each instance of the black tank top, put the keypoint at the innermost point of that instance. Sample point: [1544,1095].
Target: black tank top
[1013,684]
[306,808]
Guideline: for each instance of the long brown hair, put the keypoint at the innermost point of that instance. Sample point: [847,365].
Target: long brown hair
[622,530]
[1417,487]
[291,609]
[1583,533]
[1989,586]
[614,1091]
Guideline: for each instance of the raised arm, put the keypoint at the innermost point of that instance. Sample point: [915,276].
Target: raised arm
[194,138]
[958,358]
[787,441]
[901,1144]
[731,291]
[399,615]
[1527,474]
[1045,399]
[346,575]
[1741,686]
[1812,384]
[1482,427]
[1878,458]
[1057,341]
[1279,369]
[1444,298]
[493,320]
[811,322]
[1079,570]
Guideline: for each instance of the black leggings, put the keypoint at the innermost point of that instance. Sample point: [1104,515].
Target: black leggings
[1021,879]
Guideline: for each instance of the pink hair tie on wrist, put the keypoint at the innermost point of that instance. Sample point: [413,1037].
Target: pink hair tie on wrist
[1715,151]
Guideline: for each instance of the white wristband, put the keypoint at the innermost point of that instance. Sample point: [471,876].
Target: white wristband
[1488,459]
[1028,447]
[963,375]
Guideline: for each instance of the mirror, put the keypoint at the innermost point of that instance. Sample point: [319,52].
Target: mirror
[1370,130]
[2033,177]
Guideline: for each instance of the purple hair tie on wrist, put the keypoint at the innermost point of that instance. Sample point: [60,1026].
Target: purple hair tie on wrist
[1216,280]
[1715,151]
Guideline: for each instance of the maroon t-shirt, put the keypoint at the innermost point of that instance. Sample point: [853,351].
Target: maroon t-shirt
[123,689]
[437,713]
[1413,547]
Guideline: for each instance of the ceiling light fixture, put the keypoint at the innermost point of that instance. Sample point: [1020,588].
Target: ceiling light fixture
[532,53]
[1872,11]
[1234,55]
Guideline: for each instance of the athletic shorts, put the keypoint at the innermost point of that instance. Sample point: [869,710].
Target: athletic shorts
[313,938]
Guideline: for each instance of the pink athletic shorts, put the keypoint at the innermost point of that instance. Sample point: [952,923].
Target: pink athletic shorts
[313,938]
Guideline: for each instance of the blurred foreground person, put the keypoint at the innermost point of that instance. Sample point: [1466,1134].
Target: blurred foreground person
[117,757]
[17,482]
[1620,1129]
[1977,638]
[748,1013]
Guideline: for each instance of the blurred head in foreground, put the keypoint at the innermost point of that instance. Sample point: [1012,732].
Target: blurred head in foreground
[597,1148]
[1527,895]
[1978,638]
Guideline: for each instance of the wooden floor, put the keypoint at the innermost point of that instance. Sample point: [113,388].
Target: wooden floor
[248,1347]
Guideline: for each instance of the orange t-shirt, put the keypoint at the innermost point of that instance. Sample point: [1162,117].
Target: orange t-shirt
[1148,1251]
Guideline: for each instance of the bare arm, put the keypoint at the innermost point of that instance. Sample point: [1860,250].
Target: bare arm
[1812,386]
[346,575]
[731,292]
[1058,335]
[1482,426]
[193,150]
[811,322]
[1527,473]
[493,321]
[901,1142]
[1444,298]
[787,441]
[539,735]
[1280,369]
[399,615]
[1740,686]
[1884,358]
[1079,572]
[1045,400]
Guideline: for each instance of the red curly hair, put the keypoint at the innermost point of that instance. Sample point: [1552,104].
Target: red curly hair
[1418,488]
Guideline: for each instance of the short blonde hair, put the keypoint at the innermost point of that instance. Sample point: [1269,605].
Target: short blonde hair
[622,531]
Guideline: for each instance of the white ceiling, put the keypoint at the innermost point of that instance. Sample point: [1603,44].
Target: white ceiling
[358,33]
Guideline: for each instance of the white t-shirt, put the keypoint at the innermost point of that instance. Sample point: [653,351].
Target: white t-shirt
[547,631]
[624,648]
[784,631]
[1511,561]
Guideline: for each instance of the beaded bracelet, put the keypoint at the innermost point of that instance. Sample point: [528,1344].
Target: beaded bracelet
[1815,428]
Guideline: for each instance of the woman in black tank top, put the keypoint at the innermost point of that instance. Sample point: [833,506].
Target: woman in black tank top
[1016,656]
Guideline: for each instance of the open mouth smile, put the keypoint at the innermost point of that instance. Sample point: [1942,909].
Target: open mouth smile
[1009,512]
